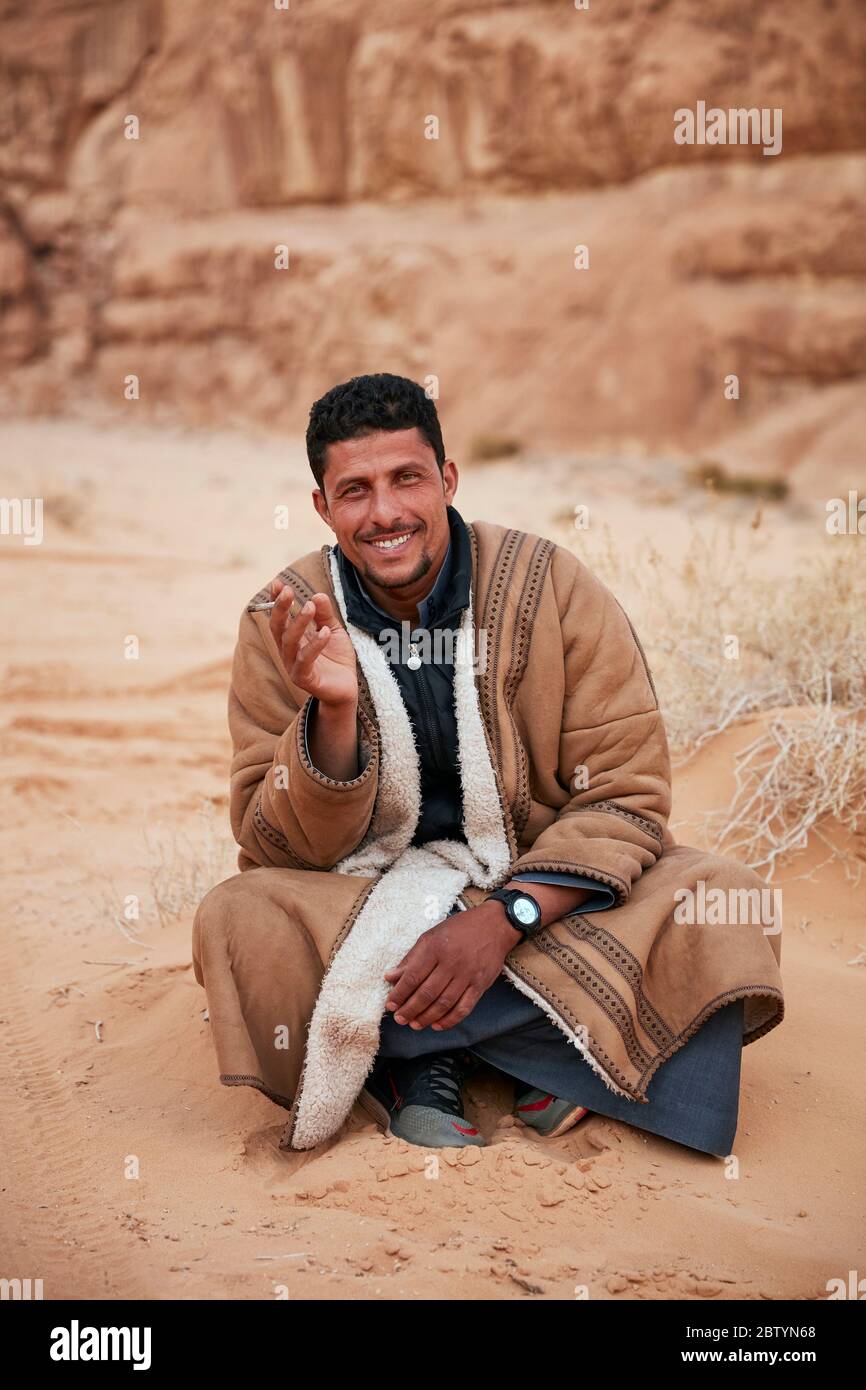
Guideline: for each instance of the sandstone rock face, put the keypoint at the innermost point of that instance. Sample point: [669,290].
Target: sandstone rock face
[431,171]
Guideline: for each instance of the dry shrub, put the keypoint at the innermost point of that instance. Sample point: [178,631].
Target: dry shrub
[181,869]
[487,448]
[715,477]
[800,643]
[797,778]
[67,501]
[68,509]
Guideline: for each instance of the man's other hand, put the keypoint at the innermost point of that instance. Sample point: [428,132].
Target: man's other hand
[316,651]
[440,980]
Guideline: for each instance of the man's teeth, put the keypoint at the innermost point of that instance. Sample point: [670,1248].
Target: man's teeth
[391,545]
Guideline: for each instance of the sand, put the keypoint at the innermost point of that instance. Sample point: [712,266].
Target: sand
[129,1171]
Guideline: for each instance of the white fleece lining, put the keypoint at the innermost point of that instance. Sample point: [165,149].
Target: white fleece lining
[417,885]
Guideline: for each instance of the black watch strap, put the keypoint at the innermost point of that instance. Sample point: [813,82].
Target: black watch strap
[508,896]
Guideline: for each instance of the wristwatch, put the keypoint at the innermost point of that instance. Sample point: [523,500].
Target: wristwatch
[521,909]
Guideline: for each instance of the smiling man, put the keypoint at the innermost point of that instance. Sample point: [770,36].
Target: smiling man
[461,858]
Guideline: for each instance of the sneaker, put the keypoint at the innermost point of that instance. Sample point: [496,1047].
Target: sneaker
[546,1114]
[418,1099]
[379,1094]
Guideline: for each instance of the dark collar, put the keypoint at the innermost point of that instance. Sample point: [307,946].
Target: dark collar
[445,601]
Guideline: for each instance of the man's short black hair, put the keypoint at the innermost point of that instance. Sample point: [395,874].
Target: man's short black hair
[364,405]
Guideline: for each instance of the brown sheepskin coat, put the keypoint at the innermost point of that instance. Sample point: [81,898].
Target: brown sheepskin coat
[564,765]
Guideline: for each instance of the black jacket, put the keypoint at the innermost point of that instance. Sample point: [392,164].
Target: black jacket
[428,692]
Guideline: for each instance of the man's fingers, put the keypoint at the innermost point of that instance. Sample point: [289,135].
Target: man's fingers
[283,595]
[448,1000]
[325,610]
[294,629]
[414,972]
[302,637]
[462,1009]
[425,995]
[309,651]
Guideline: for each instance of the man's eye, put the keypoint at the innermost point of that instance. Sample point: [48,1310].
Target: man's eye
[347,491]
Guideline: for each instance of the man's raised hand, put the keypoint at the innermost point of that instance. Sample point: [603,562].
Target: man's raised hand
[317,653]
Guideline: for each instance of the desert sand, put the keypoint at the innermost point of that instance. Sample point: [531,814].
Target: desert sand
[129,1171]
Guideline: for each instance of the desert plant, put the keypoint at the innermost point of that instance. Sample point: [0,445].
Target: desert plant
[180,869]
[801,776]
[486,447]
[725,639]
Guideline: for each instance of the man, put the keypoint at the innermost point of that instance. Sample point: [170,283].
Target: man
[450,787]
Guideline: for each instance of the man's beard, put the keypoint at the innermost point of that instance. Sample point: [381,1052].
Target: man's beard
[425,561]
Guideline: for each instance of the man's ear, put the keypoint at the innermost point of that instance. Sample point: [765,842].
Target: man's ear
[449,480]
[321,505]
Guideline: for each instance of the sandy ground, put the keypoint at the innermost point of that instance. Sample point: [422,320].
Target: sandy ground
[128,1171]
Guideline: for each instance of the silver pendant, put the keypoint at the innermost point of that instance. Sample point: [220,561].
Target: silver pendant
[414,660]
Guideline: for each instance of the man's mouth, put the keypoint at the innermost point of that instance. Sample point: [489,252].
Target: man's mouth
[389,545]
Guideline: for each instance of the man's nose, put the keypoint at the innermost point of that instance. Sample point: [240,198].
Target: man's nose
[384,512]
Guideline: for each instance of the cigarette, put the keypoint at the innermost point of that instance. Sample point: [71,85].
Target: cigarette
[294,607]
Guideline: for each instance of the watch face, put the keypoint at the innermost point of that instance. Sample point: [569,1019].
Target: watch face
[525,911]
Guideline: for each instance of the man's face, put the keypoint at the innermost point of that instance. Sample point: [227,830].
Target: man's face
[379,487]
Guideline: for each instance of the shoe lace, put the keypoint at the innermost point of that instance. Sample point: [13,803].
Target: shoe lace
[438,1084]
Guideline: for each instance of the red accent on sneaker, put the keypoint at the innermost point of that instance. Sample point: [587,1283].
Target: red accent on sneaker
[463,1129]
[397,1097]
[538,1104]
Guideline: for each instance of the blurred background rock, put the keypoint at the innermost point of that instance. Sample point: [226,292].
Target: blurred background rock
[448,258]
